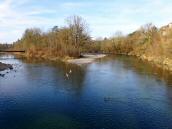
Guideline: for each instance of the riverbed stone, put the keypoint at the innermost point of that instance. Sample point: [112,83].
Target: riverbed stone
[5,66]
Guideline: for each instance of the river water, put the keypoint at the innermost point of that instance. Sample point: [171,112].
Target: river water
[115,92]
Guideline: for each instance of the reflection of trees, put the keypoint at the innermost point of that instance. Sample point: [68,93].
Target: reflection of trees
[75,79]
[140,67]
[33,68]
[54,73]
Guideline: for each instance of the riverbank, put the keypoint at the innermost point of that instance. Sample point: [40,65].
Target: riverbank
[5,66]
[159,61]
[162,62]
[84,59]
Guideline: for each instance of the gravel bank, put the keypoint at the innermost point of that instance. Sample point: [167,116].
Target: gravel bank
[87,58]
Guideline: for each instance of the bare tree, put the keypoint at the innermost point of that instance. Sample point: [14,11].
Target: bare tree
[78,31]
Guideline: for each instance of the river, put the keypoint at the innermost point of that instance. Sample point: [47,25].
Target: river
[115,92]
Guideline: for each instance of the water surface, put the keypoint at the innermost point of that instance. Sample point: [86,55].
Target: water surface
[115,92]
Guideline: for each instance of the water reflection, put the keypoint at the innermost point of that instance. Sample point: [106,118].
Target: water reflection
[57,72]
[113,92]
[141,67]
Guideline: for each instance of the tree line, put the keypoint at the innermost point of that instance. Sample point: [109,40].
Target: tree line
[74,38]
[4,46]
[69,40]
[148,40]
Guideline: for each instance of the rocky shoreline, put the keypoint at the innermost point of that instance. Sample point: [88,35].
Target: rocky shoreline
[5,66]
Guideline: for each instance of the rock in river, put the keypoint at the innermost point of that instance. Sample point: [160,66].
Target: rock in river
[5,66]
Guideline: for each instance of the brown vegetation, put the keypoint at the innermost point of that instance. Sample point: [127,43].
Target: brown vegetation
[58,42]
[148,42]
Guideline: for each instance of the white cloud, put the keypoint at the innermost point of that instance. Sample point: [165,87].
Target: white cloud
[14,21]
[104,17]
[72,5]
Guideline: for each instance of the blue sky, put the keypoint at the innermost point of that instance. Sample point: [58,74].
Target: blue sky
[104,17]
